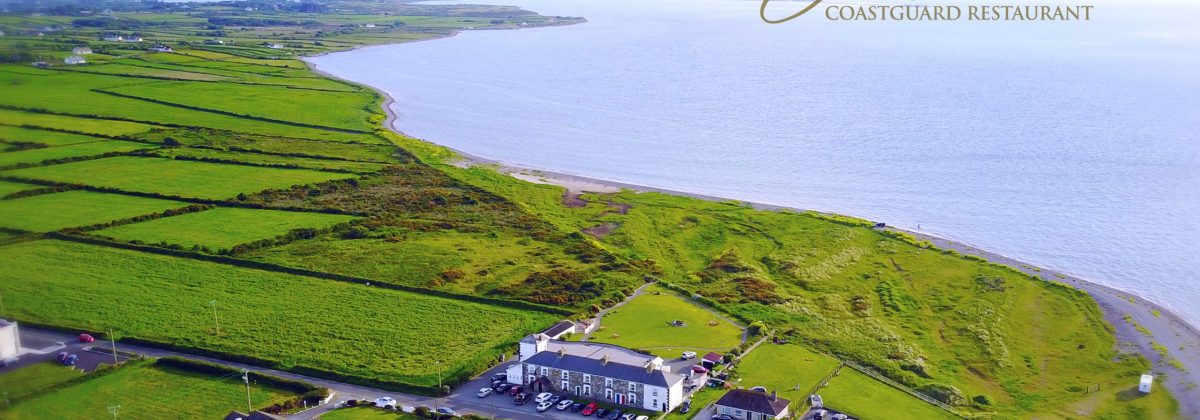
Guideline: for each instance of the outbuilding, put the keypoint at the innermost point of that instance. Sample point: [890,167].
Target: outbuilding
[1146,383]
[10,339]
[745,404]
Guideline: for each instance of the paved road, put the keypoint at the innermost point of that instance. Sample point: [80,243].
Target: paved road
[45,346]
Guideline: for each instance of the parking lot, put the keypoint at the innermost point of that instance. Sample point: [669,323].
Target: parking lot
[40,346]
[464,400]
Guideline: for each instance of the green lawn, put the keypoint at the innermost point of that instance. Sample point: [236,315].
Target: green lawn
[294,321]
[7,188]
[701,398]
[46,137]
[222,228]
[145,391]
[85,125]
[175,177]
[643,324]
[365,413]
[60,152]
[791,370]
[33,378]
[265,159]
[863,397]
[50,212]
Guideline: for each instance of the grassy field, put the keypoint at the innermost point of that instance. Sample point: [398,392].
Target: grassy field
[51,212]
[75,150]
[46,137]
[187,178]
[33,378]
[700,399]
[266,159]
[365,413]
[869,399]
[145,391]
[7,188]
[790,370]
[222,228]
[85,125]
[643,323]
[289,320]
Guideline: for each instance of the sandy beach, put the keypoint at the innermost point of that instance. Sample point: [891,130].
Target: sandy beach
[1178,370]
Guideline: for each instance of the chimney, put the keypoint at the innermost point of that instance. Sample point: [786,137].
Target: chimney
[649,367]
[604,360]
[561,352]
[774,397]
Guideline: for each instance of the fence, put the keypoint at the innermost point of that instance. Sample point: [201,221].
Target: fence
[904,388]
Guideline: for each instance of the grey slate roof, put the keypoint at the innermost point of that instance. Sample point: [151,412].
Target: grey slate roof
[597,367]
[559,328]
[756,401]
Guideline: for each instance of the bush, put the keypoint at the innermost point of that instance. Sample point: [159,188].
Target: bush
[982,399]
[947,394]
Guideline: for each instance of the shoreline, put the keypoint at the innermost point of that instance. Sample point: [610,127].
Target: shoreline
[1167,329]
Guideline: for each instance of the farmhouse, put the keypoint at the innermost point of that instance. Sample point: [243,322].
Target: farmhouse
[600,371]
[132,38]
[113,38]
[161,48]
[748,404]
[214,42]
[10,339]
[74,59]
[81,50]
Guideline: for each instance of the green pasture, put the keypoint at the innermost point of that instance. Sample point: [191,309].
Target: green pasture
[222,227]
[51,212]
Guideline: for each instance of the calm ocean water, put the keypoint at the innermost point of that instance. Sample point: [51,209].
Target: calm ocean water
[1070,145]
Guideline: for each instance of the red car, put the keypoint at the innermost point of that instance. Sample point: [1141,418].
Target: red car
[589,409]
[516,390]
[86,338]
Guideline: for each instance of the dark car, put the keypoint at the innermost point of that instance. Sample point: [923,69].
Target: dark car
[685,407]
[500,377]
[71,360]
[722,417]
[576,407]
[614,415]
[523,398]
[600,413]
[62,357]
[516,390]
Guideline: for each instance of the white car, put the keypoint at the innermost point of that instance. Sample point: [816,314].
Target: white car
[543,397]
[563,405]
[383,402]
[840,416]
[689,355]
[643,418]
[483,392]
[543,406]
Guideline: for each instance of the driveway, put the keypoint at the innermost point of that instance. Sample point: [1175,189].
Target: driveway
[44,345]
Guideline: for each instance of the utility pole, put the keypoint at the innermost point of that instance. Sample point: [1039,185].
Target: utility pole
[216,324]
[113,409]
[113,339]
[438,397]
[1,304]
[246,379]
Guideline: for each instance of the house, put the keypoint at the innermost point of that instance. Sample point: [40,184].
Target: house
[10,339]
[257,415]
[560,329]
[161,48]
[113,38]
[711,360]
[602,372]
[132,38]
[1146,383]
[81,50]
[274,46]
[745,404]
[74,59]
[214,42]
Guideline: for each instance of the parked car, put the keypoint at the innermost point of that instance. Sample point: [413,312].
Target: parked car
[71,359]
[500,377]
[589,409]
[614,415]
[840,416]
[642,418]
[483,392]
[544,405]
[522,398]
[554,399]
[86,338]
[502,388]
[601,412]
[722,417]
[62,357]
[514,391]
[628,416]
[543,397]
[385,402]
[685,407]
[688,355]
[447,411]
[564,404]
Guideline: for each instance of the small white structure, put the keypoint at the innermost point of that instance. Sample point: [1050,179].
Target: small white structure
[81,50]
[74,59]
[113,38]
[1146,383]
[132,38]
[10,339]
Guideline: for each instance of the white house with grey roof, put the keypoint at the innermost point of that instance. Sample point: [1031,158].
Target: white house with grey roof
[597,371]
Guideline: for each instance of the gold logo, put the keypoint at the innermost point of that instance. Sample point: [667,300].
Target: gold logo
[762,12]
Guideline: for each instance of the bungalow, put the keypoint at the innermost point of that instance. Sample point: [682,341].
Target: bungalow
[599,371]
[161,48]
[113,38]
[214,42]
[74,59]
[81,50]
[274,46]
[560,329]
[745,404]
[132,38]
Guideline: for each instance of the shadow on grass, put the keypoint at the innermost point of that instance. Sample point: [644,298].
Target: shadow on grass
[1130,394]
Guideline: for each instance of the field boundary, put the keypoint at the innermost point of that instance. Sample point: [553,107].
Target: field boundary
[221,259]
[905,389]
[232,114]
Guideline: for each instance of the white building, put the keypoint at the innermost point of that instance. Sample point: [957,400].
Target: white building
[74,59]
[746,404]
[10,339]
[81,50]
[597,371]
[1146,383]
[113,38]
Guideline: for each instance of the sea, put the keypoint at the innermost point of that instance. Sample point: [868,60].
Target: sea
[1070,145]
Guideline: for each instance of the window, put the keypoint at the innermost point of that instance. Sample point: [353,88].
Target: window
[587,379]
[608,382]
[565,386]
[544,371]
[531,380]
[587,390]
[532,368]
[577,390]
[632,398]
[566,375]
[608,394]
[655,392]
